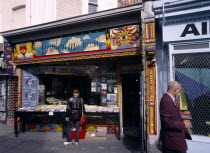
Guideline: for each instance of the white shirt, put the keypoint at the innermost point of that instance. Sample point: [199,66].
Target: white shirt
[172,97]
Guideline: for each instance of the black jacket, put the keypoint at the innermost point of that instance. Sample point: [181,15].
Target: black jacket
[74,108]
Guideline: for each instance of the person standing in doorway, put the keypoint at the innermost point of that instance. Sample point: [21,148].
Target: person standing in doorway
[74,112]
[173,129]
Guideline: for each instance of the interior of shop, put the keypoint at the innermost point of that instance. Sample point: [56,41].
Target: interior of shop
[62,86]
[96,81]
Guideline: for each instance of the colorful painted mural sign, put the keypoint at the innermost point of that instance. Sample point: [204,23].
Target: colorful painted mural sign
[109,40]
[125,37]
[24,51]
[79,43]
[29,89]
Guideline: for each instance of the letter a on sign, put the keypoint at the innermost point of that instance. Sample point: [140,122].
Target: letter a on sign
[190,29]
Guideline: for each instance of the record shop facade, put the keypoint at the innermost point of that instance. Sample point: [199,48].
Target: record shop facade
[100,54]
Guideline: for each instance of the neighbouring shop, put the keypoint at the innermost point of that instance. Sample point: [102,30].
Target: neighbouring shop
[185,44]
[7,91]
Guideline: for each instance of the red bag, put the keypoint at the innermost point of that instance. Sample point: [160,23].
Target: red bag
[82,120]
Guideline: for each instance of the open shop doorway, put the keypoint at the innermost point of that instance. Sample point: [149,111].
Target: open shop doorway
[131,105]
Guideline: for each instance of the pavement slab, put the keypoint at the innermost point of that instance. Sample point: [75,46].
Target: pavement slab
[49,142]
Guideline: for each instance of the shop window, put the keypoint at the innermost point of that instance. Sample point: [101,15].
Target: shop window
[97,84]
[192,71]
[92,6]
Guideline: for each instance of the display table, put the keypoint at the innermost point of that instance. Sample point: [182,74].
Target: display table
[113,116]
[21,118]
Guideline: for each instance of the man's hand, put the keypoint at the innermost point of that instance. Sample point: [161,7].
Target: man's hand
[67,118]
[188,125]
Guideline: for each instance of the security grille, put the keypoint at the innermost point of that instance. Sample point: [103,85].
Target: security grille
[191,46]
[193,72]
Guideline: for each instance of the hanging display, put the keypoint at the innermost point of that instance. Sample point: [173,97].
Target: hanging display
[29,90]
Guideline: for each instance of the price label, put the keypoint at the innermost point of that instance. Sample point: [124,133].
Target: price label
[51,113]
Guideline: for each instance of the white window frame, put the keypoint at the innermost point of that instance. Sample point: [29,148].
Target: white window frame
[174,52]
[93,4]
[195,138]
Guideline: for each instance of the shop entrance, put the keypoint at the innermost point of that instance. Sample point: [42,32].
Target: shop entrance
[131,106]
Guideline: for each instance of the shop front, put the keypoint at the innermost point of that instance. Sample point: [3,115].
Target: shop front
[103,62]
[45,85]
[185,45]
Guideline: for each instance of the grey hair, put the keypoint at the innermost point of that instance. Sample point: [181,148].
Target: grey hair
[173,84]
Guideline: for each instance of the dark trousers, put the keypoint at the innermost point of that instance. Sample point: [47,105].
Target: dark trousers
[68,131]
[172,151]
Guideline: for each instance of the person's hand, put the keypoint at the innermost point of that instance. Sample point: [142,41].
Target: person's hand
[188,125]
[67,118]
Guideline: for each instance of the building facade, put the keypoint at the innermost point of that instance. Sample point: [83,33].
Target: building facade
[23,13]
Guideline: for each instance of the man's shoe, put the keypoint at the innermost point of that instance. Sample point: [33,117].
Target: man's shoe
[67,143]
[76,143]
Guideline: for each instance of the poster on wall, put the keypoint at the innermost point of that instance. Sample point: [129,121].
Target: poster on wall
[125,37]
[103,86]
[111,99]
[29,89]
[29,98]
[71,44]
[103,101]
[110,87]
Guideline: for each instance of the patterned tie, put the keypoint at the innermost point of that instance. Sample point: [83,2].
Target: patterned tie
[177,101]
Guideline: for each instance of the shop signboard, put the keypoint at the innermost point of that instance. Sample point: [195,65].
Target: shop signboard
[111,40]
[29,89]
[71,44]
[186,31]
[125,37]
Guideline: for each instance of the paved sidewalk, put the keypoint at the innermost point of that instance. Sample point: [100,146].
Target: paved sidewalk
[48,142]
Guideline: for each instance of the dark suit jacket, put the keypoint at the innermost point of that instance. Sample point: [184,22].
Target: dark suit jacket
[173,131]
